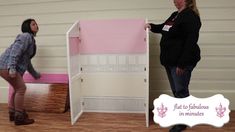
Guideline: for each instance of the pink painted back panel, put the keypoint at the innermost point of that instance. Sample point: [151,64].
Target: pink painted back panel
[45,78]
[74,43]
[112,36]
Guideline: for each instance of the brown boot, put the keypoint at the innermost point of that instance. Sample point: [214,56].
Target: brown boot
[11,114]
[21,118]
[25,114]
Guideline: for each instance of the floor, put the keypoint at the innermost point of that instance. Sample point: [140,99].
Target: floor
[96,122]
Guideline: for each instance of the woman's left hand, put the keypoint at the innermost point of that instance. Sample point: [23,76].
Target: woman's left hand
[147,26]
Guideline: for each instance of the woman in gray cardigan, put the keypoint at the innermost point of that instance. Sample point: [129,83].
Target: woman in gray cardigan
[13,63]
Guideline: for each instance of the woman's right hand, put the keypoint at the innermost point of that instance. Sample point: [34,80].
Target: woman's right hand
[12,73]
[37,76]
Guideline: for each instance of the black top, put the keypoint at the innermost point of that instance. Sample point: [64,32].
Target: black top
[180,34]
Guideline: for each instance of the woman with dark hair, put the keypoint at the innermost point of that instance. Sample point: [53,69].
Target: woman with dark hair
[13,63]
[179,49]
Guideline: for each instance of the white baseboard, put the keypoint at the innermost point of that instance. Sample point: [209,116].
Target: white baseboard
[114,104]
[4,94]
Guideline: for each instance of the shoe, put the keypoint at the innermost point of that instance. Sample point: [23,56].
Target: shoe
[178,128]
[11,115]
[21,118]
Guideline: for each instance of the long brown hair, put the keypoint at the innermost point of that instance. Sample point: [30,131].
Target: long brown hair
[192,4]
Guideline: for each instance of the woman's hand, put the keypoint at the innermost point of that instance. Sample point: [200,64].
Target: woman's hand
[37,76]
[147,25]
[12,73]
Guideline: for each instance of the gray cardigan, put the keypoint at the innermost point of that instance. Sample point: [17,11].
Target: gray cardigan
[18,55]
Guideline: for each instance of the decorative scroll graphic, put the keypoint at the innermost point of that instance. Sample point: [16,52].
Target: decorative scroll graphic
[191,110]
[162,111]
[220,110]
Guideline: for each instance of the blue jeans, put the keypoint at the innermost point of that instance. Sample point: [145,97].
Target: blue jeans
[179,83]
